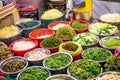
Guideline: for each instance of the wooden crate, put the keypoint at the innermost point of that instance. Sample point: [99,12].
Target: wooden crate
[6,15]
[7,10]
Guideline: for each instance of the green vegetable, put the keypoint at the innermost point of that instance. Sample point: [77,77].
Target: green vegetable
[84,69]
[13,66]
[51,42]
[57,61]
[34,74]
[111,43]
[103,29]
[96,54]
[112,64]
[65,32]
[78,25]
[86,39]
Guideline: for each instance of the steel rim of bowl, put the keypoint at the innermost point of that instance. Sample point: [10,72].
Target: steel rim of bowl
[17,78]
[97,37]
[97,48]
[11,59]
[3,77]
[37,49]
[68,71]
[109,72]
[60,75]
[57,53]
[104,34]
[24,29]
[113,37]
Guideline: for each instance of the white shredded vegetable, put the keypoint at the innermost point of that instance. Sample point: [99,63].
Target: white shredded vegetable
[23,45]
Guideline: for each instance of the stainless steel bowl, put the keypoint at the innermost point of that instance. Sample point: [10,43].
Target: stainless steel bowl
[13,74]
[102,61]
[37,62]
[66,77]
[110,72]
[111,49]
[17,78]
[59,70]
[68,71]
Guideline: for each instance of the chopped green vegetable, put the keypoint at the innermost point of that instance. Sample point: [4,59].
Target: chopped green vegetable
[86,39]
[84,69]
[35,73]
[51,42]
[57,61]
[96,54]
[65,32]
[103,29]
[78,25]
[112,64]
[111,43]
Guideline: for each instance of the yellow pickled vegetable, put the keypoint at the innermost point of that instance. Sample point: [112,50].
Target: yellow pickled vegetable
[51,14]
[8,31]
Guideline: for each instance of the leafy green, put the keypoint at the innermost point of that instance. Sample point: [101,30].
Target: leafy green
[57,61]
[86,39]
[65,32]
[78,25]
[112,64]
[84,69]
[96,54]
[111,43]
[34,74]
[51,42]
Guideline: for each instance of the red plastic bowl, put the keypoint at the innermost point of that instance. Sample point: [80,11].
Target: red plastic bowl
[52,50]
[51,25]
[22,52]
[77,56]
[38,32]
[80,30]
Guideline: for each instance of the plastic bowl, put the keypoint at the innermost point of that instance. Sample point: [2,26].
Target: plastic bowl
[13,74]
[13,38]
[29,26]
[22,52]
[80,30]
[58,70]
[51,25]
[109,37]
[117,52]
[34,73]
[52,50]
[110,72]
[63,76]
[36,62]
[41,32]
[75,54]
